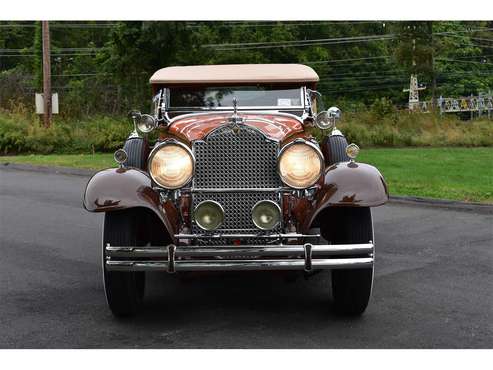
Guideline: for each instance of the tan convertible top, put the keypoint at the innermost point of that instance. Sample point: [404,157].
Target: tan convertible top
[235,73]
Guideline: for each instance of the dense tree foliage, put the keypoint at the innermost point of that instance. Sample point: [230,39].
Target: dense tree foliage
[104,67]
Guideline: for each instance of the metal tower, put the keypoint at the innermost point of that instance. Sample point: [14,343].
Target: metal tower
[414,93]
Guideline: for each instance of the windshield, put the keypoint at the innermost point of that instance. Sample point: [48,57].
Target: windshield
[247,97]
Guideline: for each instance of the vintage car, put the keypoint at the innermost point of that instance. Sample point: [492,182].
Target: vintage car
[234,181]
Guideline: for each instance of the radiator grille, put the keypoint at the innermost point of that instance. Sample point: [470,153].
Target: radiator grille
[237,208]
[236,157]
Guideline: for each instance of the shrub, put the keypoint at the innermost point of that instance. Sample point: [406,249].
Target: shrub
[21,133]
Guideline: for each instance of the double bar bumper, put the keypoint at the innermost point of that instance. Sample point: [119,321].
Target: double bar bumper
[236,258]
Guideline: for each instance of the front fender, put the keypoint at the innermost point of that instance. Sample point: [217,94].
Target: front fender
[123,188]
[349,184]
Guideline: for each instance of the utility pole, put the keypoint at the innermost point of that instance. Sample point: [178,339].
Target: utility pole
[46,73]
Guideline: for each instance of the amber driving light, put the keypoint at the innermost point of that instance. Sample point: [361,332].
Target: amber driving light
[352,151]
[171,165]
[209,215]
[300,164]
[266,214]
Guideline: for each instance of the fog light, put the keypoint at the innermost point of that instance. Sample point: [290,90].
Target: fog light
[208,215]
[120,156]
[266,214]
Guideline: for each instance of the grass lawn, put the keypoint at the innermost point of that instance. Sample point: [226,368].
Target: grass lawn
[89,161]
[464,174]
[449,173]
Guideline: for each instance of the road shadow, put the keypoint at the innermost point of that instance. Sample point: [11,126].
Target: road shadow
[240,296]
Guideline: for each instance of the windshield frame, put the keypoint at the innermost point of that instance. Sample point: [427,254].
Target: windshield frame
[240,107]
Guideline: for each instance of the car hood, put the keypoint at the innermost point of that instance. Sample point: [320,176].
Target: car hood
[197,126]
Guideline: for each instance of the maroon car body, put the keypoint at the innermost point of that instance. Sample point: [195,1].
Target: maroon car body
[224,148]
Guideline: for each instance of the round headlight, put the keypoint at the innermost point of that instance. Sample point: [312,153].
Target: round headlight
[208,215]
[300,165]
[146,123]
[120,156]
[171,165]
[266,214]
[352,151]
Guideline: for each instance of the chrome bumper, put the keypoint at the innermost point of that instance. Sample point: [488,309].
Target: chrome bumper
[239,258]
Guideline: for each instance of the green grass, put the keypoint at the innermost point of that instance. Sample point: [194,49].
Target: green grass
[464,174]
[89,161]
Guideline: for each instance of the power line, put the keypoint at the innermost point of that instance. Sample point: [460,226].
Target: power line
[17,25]
[347,60]
[444,33]
[84,25]
[296,42]
[315,23]
[331,41]
[463,61]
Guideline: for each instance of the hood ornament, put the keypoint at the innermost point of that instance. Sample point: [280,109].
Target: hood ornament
[235,105]
[235,119]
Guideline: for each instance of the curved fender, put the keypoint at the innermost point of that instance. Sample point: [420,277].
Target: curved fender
[123,188]
[349,184]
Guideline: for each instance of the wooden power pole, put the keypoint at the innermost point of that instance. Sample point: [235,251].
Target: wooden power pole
[46,73]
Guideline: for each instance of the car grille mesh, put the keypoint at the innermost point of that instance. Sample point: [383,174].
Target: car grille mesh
[233,159]
[236,157]
[237,208]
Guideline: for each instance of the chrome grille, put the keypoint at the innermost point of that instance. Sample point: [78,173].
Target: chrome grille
[237,214]
[237,208]
[234,157]
[231,166]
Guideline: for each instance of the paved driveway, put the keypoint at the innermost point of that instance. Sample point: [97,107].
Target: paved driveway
[433,285]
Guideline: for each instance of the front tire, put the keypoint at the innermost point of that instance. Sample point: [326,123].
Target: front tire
[351,289]
[124,290]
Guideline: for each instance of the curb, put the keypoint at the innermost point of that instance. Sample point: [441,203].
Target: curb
[394,199]
[442,203]
[47,169]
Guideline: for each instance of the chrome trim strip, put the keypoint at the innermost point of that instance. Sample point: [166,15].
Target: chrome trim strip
[239,190]
[239,236]
[240,265]
[232,250]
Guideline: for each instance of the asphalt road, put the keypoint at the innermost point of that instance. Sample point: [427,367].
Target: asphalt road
[433,285]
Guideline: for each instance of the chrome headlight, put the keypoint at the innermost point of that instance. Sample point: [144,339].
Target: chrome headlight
[171,164]
[300,164]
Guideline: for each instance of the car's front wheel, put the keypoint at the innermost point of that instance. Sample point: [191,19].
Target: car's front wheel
[351,289]
[124,290]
